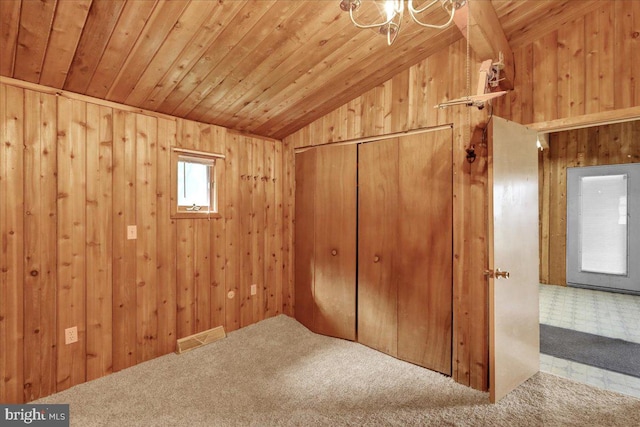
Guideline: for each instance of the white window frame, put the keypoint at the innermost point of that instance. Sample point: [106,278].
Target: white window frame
[209,159]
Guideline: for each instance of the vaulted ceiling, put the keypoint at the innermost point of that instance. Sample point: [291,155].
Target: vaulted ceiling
[268,67]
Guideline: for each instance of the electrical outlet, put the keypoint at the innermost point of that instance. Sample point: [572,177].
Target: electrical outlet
[254,289]
[71,335]
[132,232]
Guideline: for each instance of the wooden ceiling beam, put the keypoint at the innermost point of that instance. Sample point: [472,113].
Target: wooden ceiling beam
[486,36]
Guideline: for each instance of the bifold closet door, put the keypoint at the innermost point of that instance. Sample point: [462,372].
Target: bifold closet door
[425,239]
[405,261]
[305,237]
[325,240]
[377,245]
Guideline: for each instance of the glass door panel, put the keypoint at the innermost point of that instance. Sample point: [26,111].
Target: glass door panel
[603,224]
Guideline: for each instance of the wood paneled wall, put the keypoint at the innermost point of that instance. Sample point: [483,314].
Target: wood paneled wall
[407,102]
[73,176]
[604,145]
[586,66]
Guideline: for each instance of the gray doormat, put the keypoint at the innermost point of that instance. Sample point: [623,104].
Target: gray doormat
[607,353]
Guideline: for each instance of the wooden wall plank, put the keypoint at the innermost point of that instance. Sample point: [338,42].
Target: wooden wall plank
[557,224]
[418,94]
[634,147]
[633,39]
[288,212]
[185,293]
[244,238]
[605,51]
[603,147]
[545,72]
[12,248]
[99,241]
[624,51]
[218,235]
[202,274]
[522,101]
[271,253]
[571,70]
[430,116]
[124,250]
[475,194]
[72,152]
[258,229]
[399,88]
[39,245]
[592,49]
[233,232]
[544,201]
[146,242]
[166,241]
[279,238]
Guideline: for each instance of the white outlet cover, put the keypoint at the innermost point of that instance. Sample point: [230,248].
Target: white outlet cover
[254,289]
[71,335]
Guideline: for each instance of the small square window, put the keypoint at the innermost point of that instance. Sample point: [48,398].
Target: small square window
[193,184]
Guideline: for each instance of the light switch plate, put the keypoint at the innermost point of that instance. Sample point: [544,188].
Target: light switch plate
[132,232]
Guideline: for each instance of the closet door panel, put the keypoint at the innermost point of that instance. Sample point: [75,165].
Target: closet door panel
[377,245]
[425,250]
[305,237]
[335,241]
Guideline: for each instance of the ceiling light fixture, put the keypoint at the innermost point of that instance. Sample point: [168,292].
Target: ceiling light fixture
[392,12]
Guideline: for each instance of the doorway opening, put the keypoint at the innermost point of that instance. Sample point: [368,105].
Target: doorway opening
[579,304]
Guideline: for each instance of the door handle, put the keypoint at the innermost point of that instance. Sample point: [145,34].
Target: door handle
[497,274]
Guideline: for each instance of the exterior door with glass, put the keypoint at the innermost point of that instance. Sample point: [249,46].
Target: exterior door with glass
[603,227]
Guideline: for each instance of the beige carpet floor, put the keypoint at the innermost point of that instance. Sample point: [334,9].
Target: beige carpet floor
[277,373]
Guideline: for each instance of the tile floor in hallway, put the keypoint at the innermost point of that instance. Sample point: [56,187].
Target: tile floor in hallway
[607,314]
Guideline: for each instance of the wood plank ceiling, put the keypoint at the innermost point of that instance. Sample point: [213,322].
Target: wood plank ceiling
[268,67]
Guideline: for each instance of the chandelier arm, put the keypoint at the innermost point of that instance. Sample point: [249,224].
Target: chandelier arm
[437,27]
[390,38]
[366,26]
[422,9]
